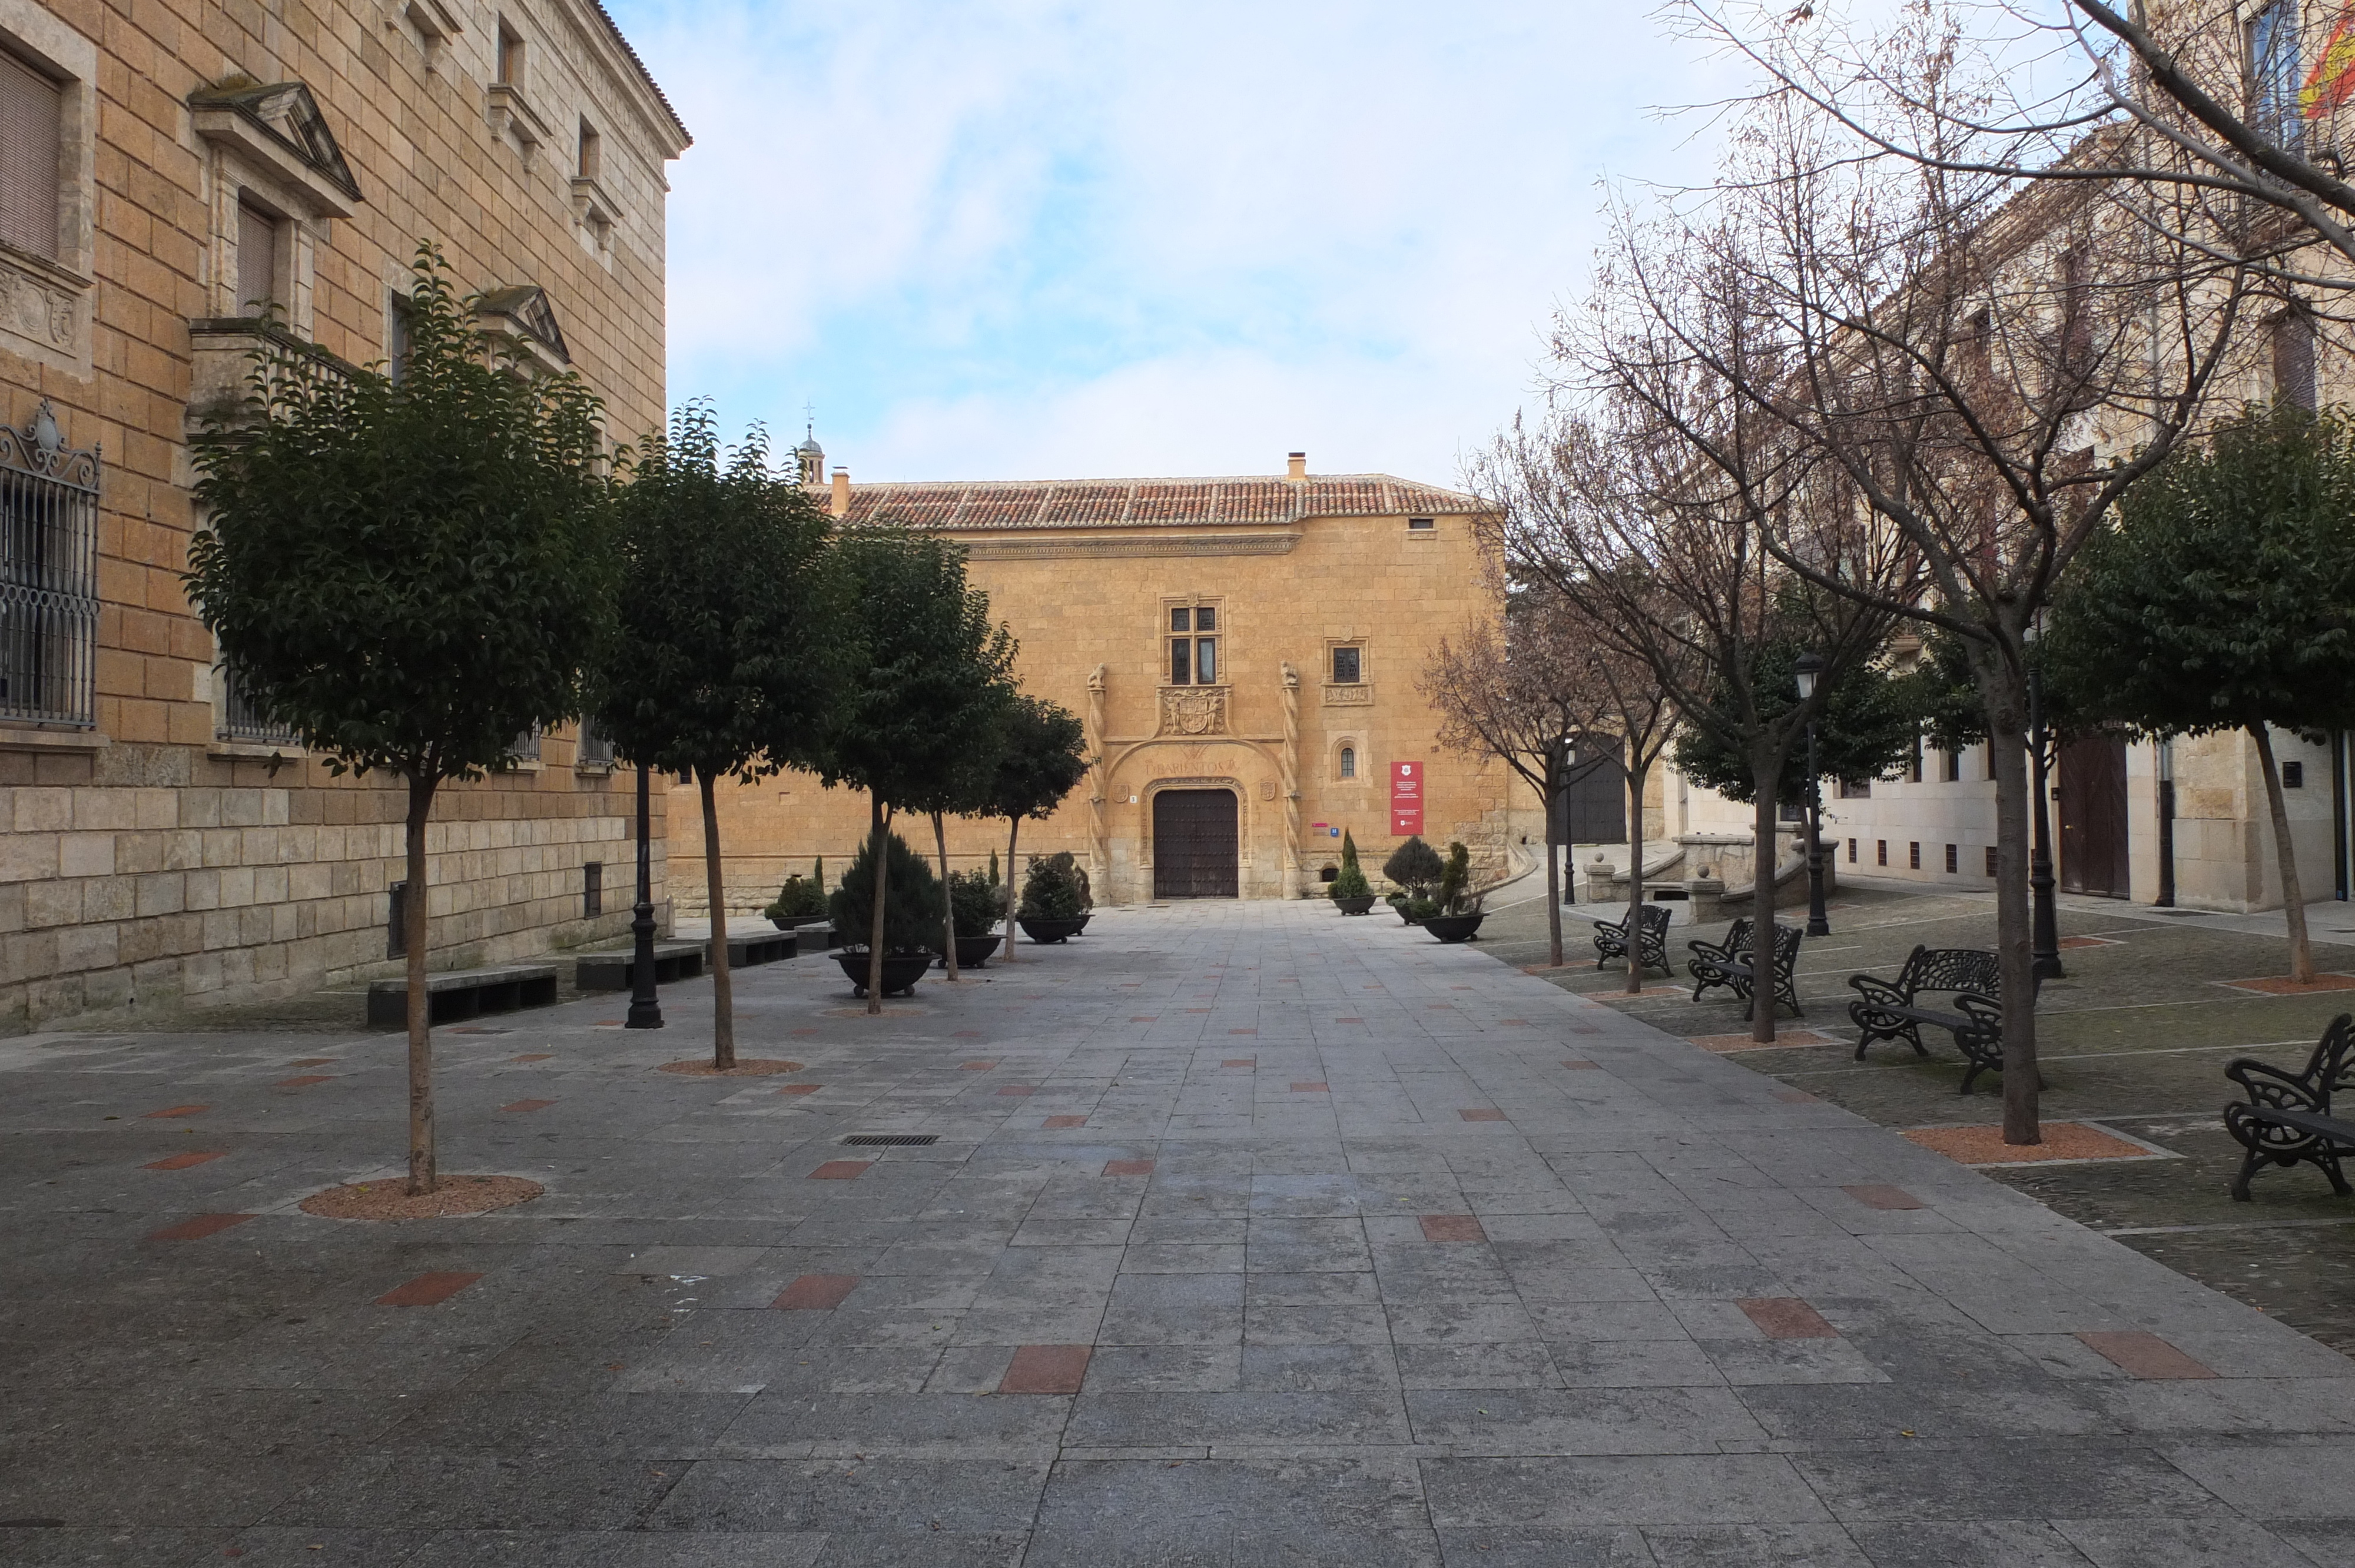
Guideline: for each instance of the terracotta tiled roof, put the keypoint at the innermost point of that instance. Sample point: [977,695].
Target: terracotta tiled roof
[960,506]
[644,74]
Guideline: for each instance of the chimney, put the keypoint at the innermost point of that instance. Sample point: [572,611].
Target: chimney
[841,506]
[1297,462]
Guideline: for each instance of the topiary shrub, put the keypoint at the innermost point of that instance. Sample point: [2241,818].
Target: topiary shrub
[977,901]
[1415,867]
[1454,877]
[799,899]
[912,907]
[1054,889]
[1349,882]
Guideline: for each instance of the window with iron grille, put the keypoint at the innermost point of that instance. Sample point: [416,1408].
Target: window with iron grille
[243,719]
[595,750]
[48,576]
[525,746]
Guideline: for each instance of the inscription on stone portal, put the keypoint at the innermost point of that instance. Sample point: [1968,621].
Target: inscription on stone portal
[1194,710]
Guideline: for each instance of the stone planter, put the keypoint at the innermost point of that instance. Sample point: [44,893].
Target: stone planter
[900,970]
[973,952]
[1040,930]
[1454,927]
[1361,905]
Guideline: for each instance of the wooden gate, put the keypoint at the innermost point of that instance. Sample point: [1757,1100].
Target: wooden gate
[1195,845]
[2093,789]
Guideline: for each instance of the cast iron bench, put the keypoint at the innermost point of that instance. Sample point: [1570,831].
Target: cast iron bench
[454,994]
[1651,940]
[1895,1009]
[2288,1118]
[1729,965]
[615,968]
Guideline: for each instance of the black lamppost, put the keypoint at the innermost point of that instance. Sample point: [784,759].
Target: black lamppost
[1807,671]
[2045,935]
[646,1008]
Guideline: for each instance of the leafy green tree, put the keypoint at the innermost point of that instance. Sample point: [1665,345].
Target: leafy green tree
[1415,867]
[907,718]
[1865,727]
[409,573]
[2223,600]
[726,619]
[1039,756]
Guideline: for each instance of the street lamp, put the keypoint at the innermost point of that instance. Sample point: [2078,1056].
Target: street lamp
[645,1007]
[2045,936]
[1569,850]
[1807,671]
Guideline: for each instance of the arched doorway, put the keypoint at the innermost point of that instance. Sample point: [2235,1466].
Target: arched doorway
[1197,844]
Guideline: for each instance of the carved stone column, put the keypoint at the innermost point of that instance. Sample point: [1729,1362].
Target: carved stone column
[1099,842]
[1290,764]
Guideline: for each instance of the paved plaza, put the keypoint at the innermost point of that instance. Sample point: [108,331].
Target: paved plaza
[1251,1237]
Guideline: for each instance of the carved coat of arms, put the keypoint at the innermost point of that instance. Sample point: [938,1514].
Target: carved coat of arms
[1194,710]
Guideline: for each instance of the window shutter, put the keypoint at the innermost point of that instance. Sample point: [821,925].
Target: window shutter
[29,104]
[257,256]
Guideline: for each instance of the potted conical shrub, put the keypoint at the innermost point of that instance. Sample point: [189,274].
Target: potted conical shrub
[1054,903]
[976,905]
[1350,892]
[913,915]
[1458,915]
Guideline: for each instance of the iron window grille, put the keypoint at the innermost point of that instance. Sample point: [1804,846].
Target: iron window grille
[526,747]
[595,750]
[48,576]
[243,719]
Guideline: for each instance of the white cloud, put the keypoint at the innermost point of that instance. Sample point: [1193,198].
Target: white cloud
[1025,239]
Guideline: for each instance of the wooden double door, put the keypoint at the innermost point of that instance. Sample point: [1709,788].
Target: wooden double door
[1197,844]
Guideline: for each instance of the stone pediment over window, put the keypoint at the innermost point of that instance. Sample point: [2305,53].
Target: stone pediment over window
[524,317]
[279,125]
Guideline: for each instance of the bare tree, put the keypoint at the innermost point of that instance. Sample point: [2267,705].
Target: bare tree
[1649,499]
[1984,368]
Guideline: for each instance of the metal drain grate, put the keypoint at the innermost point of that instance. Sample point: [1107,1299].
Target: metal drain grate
[892,1139]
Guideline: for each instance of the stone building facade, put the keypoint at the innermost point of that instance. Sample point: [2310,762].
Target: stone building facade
[1244,654]
[223,173]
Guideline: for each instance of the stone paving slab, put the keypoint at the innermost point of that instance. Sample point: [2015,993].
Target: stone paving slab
[1251,1235]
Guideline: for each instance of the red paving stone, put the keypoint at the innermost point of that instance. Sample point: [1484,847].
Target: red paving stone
[427,1289]
[1578,1064]
[1243,1031]
[1512,1024]
[800,1088]
[840,1171]
[1787,1317]
[1239,1062]
[175,1111]
[185,1162]
[537,1055]
[2282,985]
[1144,1018]
[1795,1096]
[527,1105]
[1056,1121]
[1019,1091]
[1875,1196]
[1452,1228]
[198,1229]
[976,1066]
[1317,1088]
[2067,944]
[1046,1369]
[803,1030]
[2144,1354]
[1984,1145]
[304,1080]
[1197,1009]
[1349,1020]
[1481,1115]
[1128,1168]
[816,1292]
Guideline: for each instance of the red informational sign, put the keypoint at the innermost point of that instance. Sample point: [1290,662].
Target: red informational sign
[1406,800]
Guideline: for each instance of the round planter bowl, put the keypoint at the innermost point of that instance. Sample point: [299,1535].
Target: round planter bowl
[973,952]
[1039,929]
[1358,906]
[900,971]
[1403,917]
[1454,927]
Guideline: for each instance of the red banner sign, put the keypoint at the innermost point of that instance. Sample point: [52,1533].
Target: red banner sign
[1406,800]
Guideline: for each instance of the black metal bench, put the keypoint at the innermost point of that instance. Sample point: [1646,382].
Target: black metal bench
[1729,965]
[1651,940]
[454,994]
[2288,1118]
[1894,1010]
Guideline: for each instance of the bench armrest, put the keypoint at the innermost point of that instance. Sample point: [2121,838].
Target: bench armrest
[1876,990]
[1710,950]
[2270,1086]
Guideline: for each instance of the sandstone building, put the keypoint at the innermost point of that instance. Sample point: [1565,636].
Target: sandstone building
[204,174]
[1244,653]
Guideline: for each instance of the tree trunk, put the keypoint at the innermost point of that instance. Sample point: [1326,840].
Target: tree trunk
[2004,696]
[1553,904]
[2301,949]
[724,994]
[875,921]
[1012,834]
[414,925]
[948,913]
[1766,776]
[1635,871]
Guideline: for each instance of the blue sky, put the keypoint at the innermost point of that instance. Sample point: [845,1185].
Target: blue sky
[1021,239]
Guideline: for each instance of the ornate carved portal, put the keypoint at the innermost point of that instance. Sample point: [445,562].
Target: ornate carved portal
[1193,710]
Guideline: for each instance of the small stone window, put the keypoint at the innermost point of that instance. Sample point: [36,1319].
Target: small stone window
[258,236]
[2293,775]
[1880,852]
[1951,862]
[1348,762]
[593,889]
[1349,665]
[1422,524]
[32,114]
[1913,856]
[1194,645]
[1990,859]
